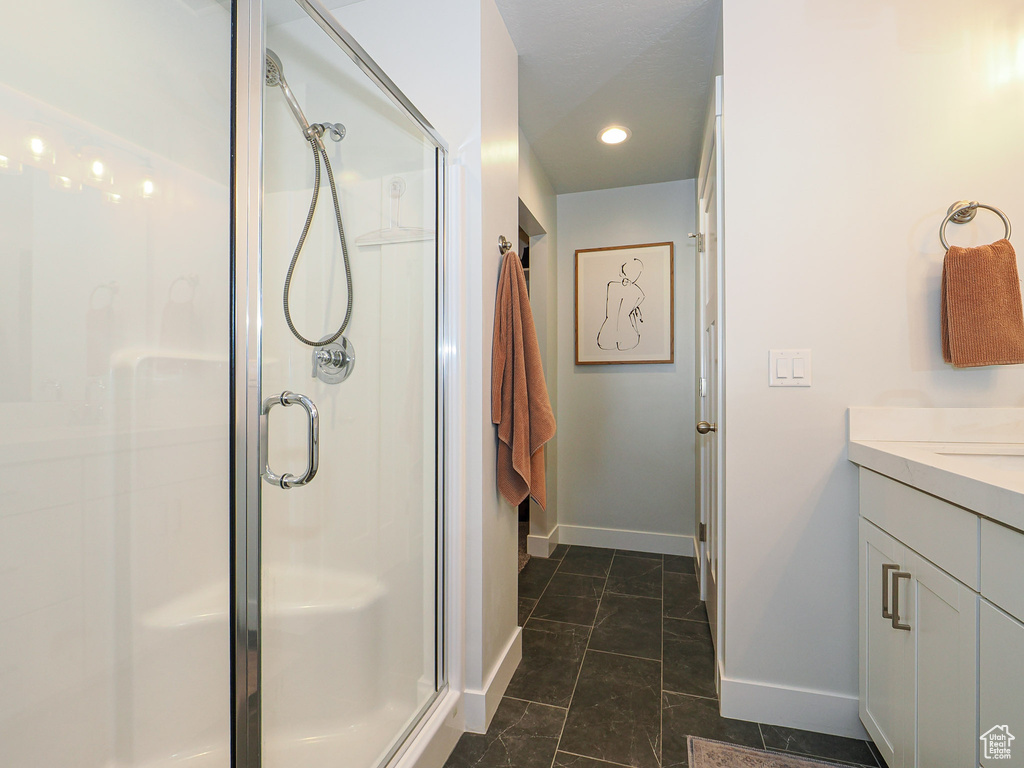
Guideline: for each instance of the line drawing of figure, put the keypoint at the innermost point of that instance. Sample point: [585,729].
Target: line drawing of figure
[622,315]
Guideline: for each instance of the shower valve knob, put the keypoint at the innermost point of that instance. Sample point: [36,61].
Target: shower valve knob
[333,358]
[333,362]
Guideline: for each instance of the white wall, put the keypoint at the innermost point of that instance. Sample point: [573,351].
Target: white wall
[455,61]
[849,129]
[538,216]
[626,450]
[498,557]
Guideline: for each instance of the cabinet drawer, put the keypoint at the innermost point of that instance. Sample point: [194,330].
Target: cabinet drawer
[942,532]
[1002,567]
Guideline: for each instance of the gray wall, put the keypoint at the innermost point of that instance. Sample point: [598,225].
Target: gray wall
[626,446]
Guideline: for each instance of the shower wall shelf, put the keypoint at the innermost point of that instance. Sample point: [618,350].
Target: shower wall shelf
[395,232]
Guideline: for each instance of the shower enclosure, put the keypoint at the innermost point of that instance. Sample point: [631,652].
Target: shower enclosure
[221,530]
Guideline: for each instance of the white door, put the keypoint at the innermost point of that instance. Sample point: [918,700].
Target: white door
[709,407]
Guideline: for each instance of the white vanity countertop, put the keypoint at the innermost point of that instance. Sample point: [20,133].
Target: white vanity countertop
[972,457]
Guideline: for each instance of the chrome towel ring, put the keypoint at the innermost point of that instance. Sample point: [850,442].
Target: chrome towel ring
[963,211]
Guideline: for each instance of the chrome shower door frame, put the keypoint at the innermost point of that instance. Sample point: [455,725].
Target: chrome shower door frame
[246,360]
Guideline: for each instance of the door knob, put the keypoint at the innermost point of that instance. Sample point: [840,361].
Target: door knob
[704,427]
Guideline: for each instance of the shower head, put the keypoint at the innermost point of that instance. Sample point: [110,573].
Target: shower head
[274,77]
[275,72]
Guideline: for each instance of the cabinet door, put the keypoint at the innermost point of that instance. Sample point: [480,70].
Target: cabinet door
[942,615]
[1002,683]
[884,693]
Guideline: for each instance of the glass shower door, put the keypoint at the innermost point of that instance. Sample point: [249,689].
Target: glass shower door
[114,527]
[349,510]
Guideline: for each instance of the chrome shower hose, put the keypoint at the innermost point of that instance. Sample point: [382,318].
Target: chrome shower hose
[318,150]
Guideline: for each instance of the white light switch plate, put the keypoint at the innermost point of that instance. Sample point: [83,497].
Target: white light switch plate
[789,368]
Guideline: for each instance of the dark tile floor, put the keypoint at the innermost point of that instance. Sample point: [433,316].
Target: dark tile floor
[618,669]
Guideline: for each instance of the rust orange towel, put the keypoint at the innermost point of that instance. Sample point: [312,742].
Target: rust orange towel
[519,397]
[982,322]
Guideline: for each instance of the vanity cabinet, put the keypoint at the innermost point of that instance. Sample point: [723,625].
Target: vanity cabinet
[918,651]
[941,558]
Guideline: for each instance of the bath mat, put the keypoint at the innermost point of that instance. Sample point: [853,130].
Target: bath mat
[705,753]
[524,529]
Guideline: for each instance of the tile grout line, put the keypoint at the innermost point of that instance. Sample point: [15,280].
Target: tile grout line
[583,661]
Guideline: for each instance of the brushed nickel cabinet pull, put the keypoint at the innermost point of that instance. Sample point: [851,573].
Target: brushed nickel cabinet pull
[896,624]
[886,568]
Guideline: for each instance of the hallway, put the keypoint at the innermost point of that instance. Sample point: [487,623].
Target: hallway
[618,668]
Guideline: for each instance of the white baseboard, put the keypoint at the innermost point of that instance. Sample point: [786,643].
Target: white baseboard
[430,745]
[540,545]
[481,705]
[810,710]
[614,538]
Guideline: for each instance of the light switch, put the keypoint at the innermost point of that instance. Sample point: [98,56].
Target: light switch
[789,368]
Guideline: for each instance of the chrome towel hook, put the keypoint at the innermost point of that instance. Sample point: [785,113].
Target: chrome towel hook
[963,211]
[504,245]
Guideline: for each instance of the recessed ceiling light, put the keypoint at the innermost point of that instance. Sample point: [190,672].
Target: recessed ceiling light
[614,134]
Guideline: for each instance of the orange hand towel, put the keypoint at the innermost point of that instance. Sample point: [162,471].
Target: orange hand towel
[519,397]
[982,322]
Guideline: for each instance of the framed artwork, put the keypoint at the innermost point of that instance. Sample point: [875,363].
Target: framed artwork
[625,305]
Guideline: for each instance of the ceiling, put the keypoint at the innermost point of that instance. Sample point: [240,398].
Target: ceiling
[583,65]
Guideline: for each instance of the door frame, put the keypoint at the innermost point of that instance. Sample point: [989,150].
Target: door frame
[712,144]
[246,188]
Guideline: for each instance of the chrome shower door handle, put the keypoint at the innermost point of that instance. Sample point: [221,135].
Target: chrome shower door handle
[313,459]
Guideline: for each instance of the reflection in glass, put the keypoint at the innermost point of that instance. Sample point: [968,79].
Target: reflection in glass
[113,458]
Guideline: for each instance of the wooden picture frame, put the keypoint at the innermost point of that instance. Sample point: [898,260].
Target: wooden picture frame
[625,305]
